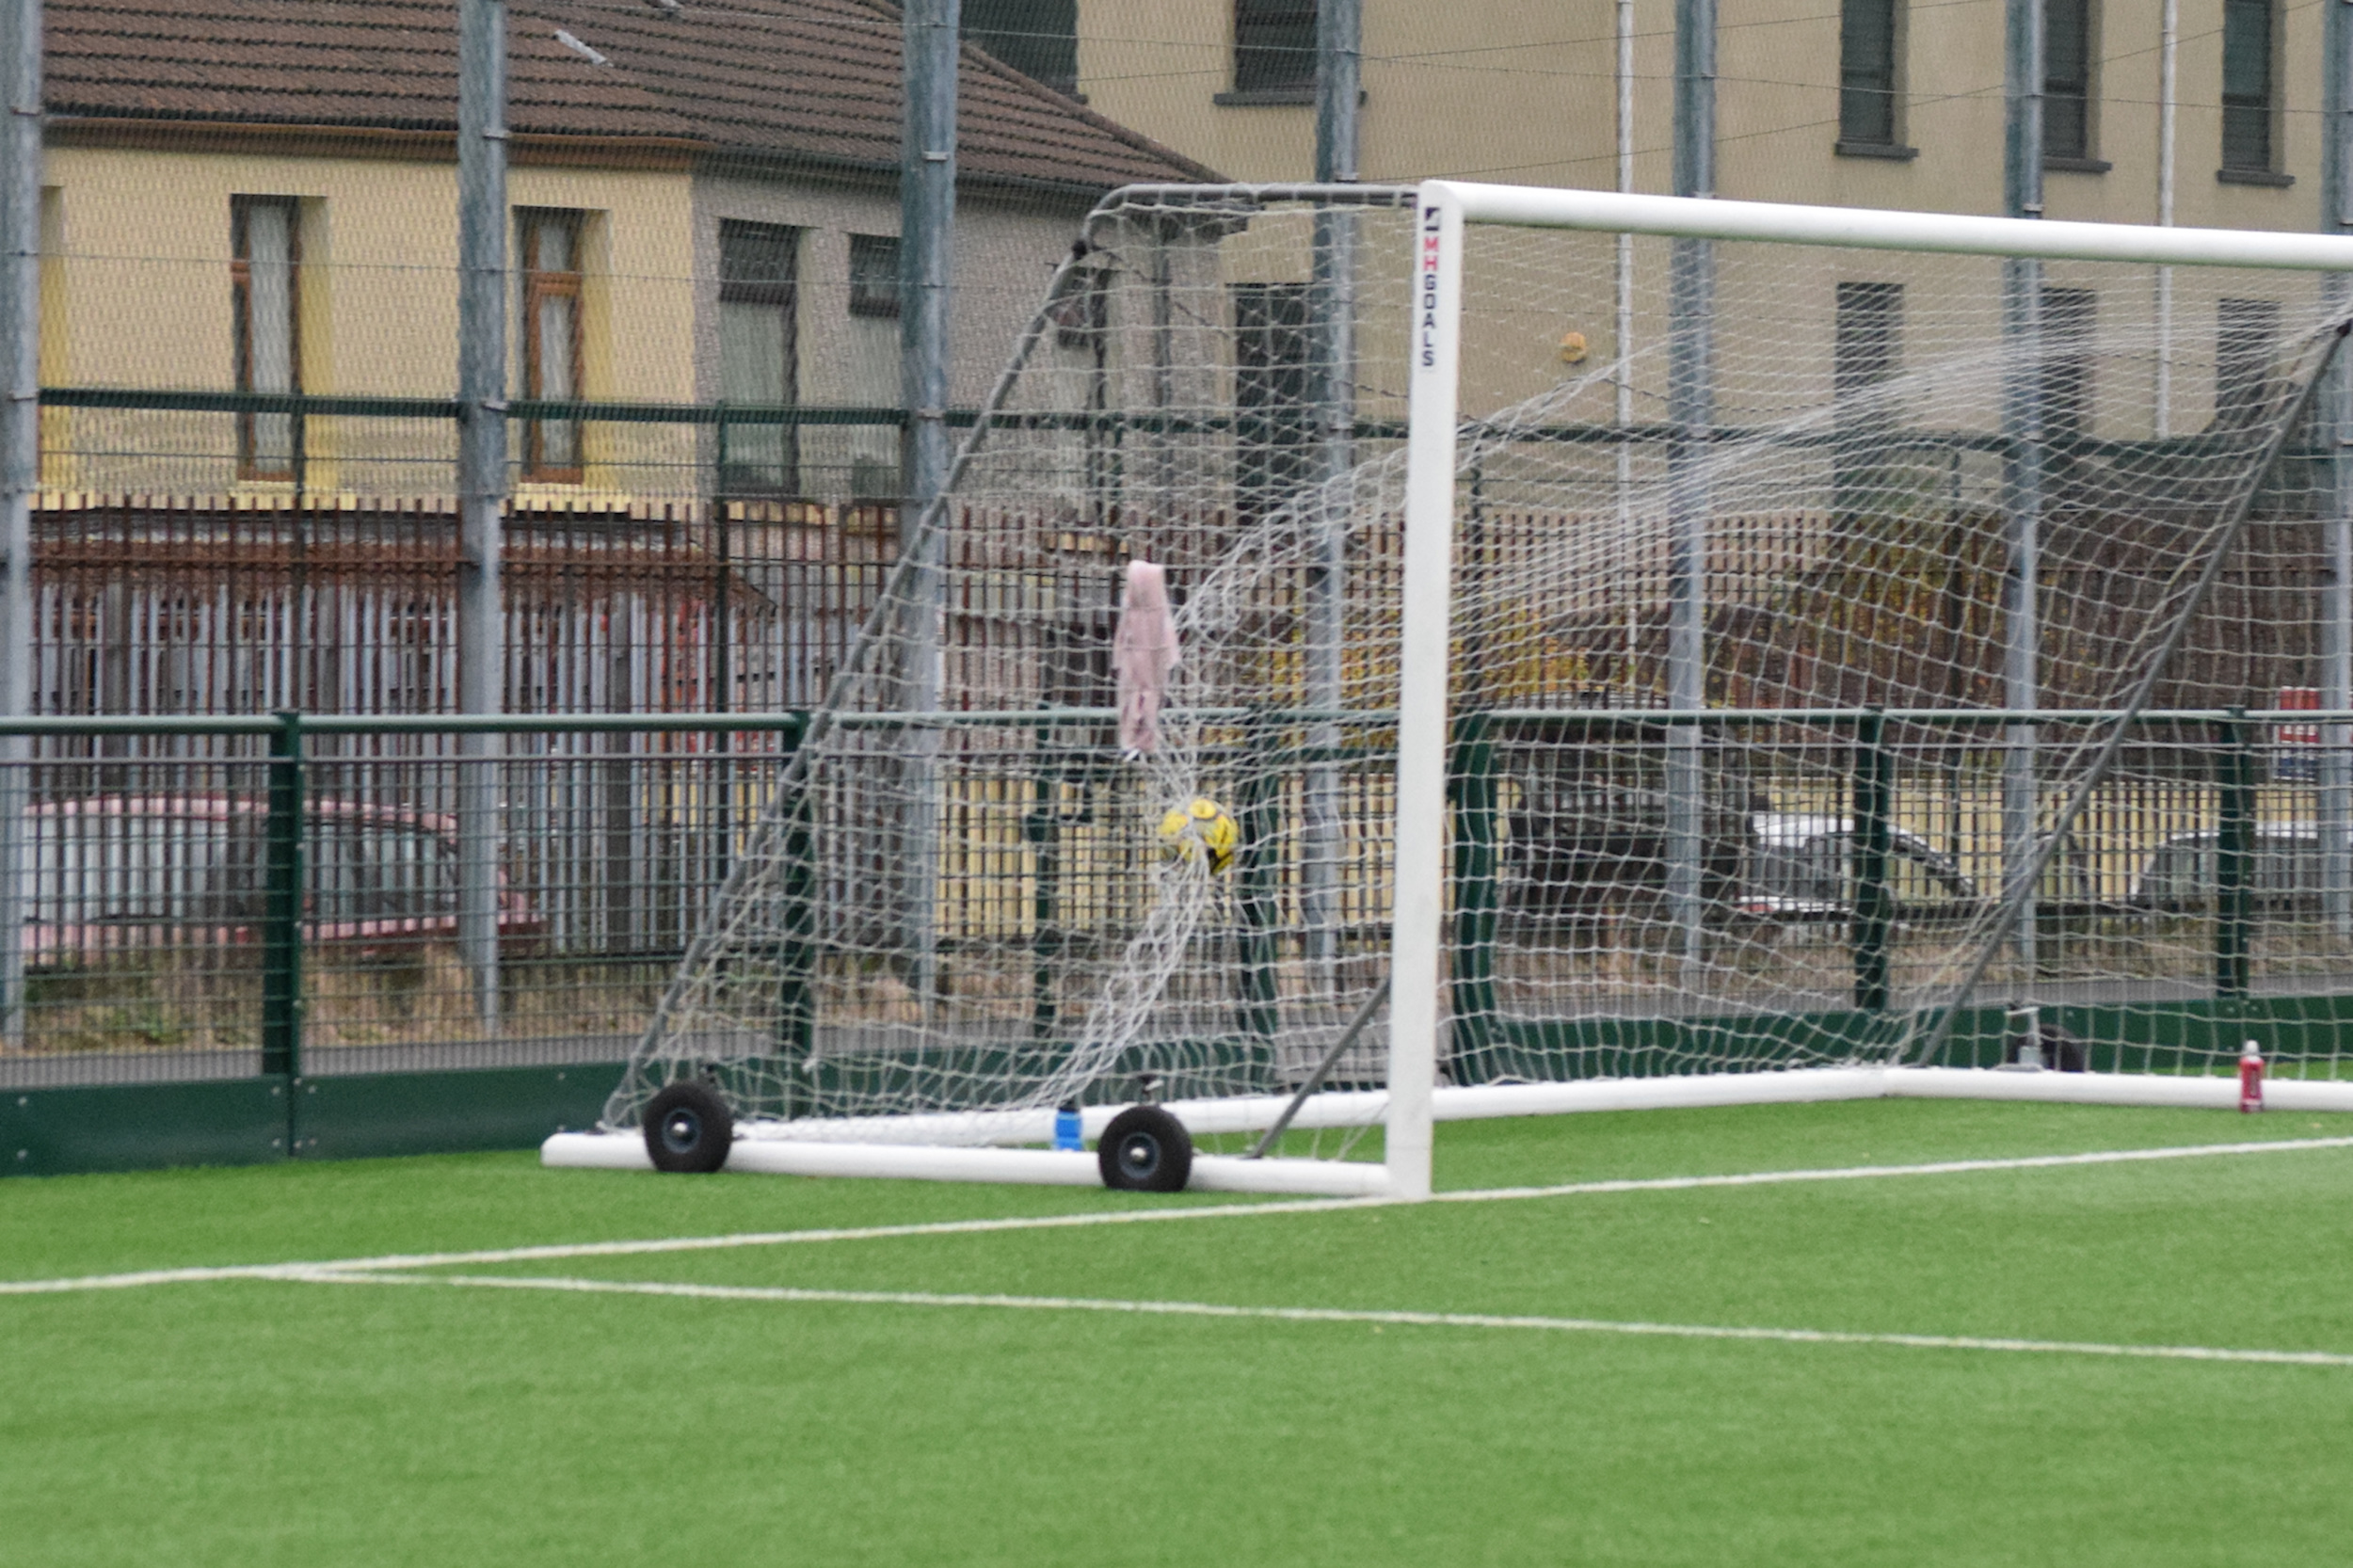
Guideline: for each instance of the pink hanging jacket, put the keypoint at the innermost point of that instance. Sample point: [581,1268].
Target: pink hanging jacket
[1144,653]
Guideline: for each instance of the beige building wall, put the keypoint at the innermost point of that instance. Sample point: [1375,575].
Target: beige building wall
[1526,94]
[139,294]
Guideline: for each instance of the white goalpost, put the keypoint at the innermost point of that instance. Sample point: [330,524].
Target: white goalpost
[1885,710]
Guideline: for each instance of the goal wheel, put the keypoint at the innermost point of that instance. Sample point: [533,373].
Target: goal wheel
[1144,1150]
[689,1128]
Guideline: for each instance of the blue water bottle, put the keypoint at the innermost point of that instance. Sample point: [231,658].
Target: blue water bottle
[1066,1126]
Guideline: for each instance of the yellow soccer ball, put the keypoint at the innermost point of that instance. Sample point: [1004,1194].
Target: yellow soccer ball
[1202,828]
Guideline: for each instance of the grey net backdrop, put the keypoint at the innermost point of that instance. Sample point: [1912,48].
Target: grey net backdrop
[1755,547]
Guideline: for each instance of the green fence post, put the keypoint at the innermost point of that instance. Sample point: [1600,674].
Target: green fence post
[282,911]
[1258,814]
[1042,828]
[797,1013]
[2234,858]
[1874,907]
[1472,777]
[719,453]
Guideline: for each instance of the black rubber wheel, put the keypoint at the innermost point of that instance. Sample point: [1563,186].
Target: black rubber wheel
[1144,1150]
[689,1128]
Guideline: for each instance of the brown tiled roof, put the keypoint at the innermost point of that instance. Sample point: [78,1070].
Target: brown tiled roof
[809,80]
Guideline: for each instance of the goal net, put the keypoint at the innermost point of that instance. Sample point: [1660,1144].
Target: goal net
[1625,640]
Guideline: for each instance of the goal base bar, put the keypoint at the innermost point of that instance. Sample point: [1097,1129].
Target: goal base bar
[1345,1108]
[880,1146]
[2050,1086]
[1478,1102]
[2142,1089]
[1019,1167]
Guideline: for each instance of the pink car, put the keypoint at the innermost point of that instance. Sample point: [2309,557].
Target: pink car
[115,873]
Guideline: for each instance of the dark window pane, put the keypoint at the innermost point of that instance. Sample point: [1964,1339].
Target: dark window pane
[1869,335]
[2067,78]
[2066,127]
[874,276]
[2069,317]
[549,247]
[1275,44]
[1866,351]
[1866,71]
[1272,420]
[1037,38]
[2246,331]
[264,277]
[2246,84]
[759,345]
[756,253]
[2247,48]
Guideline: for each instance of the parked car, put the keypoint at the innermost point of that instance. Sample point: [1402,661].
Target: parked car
[1591,849]
[112,874]
[2183,874]
[1801,869]
[1578,848]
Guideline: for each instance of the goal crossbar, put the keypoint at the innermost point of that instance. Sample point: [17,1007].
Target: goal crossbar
[1875,229]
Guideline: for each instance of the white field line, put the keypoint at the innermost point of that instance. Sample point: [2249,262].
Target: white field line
[1142,1216]
[1328,1314]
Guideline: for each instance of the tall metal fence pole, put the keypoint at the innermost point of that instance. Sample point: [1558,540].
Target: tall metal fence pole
[1338,84]
[482,283]
[1690,413]
[927,218]
[2023,424]
[2333,432]
[1622,341]
[20,470]
[2169,101]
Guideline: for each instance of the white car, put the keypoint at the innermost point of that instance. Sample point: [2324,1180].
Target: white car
[2183,874]
[1801,869]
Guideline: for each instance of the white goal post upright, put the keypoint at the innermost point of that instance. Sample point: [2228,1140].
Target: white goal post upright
[1419,889]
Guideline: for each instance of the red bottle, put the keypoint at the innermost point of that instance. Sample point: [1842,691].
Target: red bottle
[2250,1078]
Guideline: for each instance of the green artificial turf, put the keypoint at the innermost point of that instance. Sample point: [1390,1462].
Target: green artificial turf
[274,1422]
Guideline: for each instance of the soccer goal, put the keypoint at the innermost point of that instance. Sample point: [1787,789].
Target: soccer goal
[1394,655]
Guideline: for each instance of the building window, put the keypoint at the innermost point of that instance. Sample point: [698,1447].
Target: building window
[1082,319]
[1867,352]
[2070,317]
[758,355]
[1037,38]
[265,244]
[1869,337]
[1867,72]
[874,276]
[2247,331]
[1272,414]
[1274,46]
[2246,86]
[2067,80]
[872,368]
[551,252]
